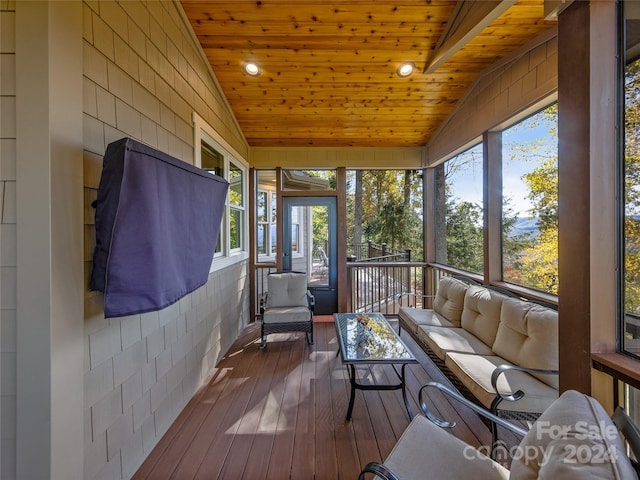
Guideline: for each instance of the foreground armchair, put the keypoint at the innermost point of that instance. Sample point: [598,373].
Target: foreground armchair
[573,438]
[286,306]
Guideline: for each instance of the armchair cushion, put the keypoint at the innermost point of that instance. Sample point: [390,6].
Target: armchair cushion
[287,289]
[574,438]
[426,451]
[528,336]
[286,315]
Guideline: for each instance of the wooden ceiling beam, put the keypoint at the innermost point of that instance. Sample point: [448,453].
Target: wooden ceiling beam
[469,18]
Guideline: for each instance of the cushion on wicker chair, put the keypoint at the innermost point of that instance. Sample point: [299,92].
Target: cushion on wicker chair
[574,438]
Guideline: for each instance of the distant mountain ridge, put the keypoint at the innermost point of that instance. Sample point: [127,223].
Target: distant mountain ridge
[525,225]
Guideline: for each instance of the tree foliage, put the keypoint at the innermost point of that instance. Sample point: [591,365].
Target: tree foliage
[632,188]
[465,236]
[536,263]
[529,259]
[464,231]
[387,208]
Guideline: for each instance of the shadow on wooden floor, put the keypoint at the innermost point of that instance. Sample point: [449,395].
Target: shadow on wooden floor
[280,413]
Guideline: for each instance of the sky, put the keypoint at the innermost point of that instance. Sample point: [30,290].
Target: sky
[468,183]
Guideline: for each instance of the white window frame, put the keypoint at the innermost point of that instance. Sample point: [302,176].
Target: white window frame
[231,207]
[303,227]
[270,252]
[204,132]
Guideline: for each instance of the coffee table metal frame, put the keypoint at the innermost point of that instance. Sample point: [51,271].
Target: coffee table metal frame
[370,344]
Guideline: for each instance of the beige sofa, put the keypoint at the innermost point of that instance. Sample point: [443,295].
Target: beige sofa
[574,438]
[501,349]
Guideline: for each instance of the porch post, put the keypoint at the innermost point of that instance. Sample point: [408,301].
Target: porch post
[586,187]
[573,190]
[343,286]
[492,159]
[50,244]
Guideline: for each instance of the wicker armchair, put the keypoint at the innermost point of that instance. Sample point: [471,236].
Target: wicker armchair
[573,438]
[286,306]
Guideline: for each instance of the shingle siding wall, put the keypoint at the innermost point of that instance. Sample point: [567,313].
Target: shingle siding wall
[143,78]
[498,94]
[8,256]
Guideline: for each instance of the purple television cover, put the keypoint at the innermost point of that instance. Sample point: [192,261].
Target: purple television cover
[157,223]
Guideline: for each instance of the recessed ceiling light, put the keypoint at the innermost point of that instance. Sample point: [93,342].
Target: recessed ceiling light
[252,69]
[405,69]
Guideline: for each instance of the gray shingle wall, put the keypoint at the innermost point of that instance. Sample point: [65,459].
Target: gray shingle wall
[500,93]
[143,78]
[8,255]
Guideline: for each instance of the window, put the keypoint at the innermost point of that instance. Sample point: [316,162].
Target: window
[631,187]
[213,162]
[266,215]
[236,207]
[273,208]
[459,201]
[262,217]
[295,230]
[530,202]
[217,157]
[384,214]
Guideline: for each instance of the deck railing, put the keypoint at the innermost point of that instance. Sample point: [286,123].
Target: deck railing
[375,285]
[370,251]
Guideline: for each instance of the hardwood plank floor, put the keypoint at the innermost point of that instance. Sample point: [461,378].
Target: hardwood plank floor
[279,413]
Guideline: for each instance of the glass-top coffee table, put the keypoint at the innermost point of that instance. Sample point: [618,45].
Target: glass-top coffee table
[369,339]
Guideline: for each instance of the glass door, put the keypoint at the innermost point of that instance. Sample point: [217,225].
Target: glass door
[310,246]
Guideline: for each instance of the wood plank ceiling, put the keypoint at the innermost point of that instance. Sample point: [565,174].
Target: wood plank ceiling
[328,68]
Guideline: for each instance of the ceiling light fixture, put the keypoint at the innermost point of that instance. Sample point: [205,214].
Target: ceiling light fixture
[252,69]
[405,70]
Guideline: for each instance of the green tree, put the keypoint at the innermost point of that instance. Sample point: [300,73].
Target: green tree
[513,244]
[463,226]
[540,261]
[386,207]
[465,236]
[632,188]
[534,261]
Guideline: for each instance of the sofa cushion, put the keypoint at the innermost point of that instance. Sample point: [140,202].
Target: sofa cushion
[287,315]
[528,336]
[287,290]
[574,438]
[474,371]
[481,313]
[427,451]
[443,340]
[449,299]
[414,317]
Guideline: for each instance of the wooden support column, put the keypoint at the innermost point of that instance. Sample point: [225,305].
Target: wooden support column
[587,189]
[279,223]
[341,187]
[573,191]
[50,421]
[253,230]
[429,223]
[492,172]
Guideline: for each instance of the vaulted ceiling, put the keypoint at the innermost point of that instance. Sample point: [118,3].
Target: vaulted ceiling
[328,68]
